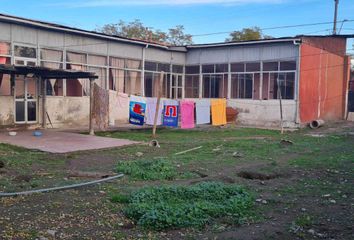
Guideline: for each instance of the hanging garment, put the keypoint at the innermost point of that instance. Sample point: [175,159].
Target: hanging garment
[101,107]
[123,105]
[203,111]
[151,110]
[218,112]
[137,108]
[118,108]
[187,114]
[170,113]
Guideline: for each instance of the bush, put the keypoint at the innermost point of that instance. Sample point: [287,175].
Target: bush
[148,169]
[187,206]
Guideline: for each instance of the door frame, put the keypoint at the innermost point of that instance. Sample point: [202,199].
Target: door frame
[25,99]
[178,77]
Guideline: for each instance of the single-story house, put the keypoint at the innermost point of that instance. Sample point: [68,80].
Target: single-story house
[309,73]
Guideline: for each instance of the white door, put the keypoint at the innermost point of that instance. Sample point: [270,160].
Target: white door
[26,101]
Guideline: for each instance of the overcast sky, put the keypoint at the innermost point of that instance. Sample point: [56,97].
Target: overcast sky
[198,16]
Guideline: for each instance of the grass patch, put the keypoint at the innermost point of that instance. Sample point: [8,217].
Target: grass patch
[148,169]
[174,207]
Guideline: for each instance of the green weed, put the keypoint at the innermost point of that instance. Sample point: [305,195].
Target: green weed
[188,206]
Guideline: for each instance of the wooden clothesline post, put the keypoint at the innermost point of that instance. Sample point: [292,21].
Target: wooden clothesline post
[281,106]
[158,104]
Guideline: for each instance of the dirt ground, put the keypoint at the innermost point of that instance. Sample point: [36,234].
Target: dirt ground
[303,190]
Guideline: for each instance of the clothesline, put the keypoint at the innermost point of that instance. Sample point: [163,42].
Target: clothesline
[142,111]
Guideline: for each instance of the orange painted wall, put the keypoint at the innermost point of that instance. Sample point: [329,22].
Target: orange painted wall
[322,84]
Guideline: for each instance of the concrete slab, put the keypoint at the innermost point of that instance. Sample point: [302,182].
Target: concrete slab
[61,142]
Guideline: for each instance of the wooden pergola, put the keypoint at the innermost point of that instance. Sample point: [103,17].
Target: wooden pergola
[44,74]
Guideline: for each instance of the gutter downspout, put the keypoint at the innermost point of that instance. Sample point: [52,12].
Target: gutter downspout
[298,76]
[143,71]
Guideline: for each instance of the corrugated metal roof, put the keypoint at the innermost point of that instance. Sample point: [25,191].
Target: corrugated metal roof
[58,27]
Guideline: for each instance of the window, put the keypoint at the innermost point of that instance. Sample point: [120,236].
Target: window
[76,57]
[163,67]
[25,52]
[5,48]
[101,73]
[150,84]
[51,55]
[237,67]
[77,87]
[208,68]
[177,69]
[96,60]
[53,59]
[287,83]
[192,86]
[192,69]
[287,65]
[221,68]
[270,66]
[132,82]
[253,67]
[214,86]
[5,85]
[132,64]
[150,66]
[116,62]
[270,85]
[176,86]
[123,77]
[242,85]
[116,79]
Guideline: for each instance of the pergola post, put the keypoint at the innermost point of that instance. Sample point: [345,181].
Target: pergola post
[44,102]
[91,131]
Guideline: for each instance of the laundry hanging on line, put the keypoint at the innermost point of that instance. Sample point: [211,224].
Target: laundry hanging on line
[218,112]
[151,111]
[187,114]
[202,111]
[170,113]
[137,108]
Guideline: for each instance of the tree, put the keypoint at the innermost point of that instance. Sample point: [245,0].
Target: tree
[177,37]
[253,33]
[137,30]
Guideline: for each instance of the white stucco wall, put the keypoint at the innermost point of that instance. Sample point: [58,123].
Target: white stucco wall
[68,111]
[6,110]
[264,112]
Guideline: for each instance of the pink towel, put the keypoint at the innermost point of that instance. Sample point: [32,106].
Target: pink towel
[187,114]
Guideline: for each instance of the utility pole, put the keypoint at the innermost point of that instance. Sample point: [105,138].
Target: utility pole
[335,17]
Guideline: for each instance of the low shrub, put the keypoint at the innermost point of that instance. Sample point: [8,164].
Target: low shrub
[148,169]
[165,207]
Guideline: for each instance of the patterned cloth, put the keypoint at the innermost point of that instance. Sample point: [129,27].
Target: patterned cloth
[137,108]
[101,107]
[170,113]
[187,114]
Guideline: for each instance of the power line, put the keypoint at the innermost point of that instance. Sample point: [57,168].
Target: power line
[278,27]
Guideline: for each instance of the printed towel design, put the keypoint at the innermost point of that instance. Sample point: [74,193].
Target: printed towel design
[137,108]
[170,113]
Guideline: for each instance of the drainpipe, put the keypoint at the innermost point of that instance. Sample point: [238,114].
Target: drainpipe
[143,71]
[297,92]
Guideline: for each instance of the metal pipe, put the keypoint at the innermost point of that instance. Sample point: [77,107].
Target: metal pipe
[59,188]
[317,123]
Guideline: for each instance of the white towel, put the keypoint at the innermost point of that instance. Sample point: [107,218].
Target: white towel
[151,110]
[203,111]
[134,98]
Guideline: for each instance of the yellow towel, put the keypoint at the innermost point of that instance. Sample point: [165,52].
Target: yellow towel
[218,112]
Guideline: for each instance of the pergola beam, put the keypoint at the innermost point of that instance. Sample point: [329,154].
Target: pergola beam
[44,74]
